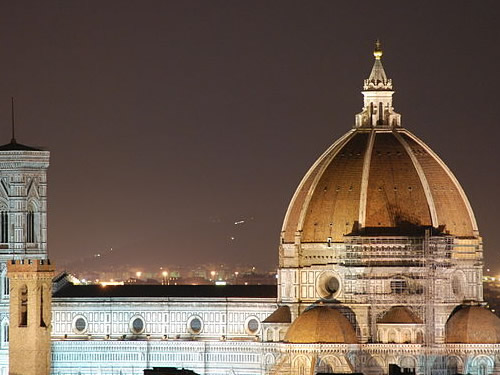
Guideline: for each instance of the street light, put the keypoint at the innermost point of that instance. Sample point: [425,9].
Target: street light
[138,274]
[164,274]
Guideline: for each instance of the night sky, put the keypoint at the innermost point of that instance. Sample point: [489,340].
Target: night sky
[169,121]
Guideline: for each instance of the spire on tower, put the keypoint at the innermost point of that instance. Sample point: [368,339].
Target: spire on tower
[13,119]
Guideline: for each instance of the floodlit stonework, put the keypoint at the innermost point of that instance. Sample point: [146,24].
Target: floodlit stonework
[380,263]
[30,313]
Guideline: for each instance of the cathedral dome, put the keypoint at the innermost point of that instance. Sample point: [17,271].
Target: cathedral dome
[321,324]
[377,179]
[473,325]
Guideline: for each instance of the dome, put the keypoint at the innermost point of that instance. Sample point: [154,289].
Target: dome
[473,325]
[377,179]
[400,315]
[321,325]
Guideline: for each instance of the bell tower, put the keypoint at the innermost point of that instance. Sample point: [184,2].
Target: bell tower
[23,219]
[30,316]
[23,206]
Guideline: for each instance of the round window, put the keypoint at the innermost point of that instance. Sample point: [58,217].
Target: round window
[137,325]
[194,325]
[252,325]
[332,285]
[328,285]
[80,325]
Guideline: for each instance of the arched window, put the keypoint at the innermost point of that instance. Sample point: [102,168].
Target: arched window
[406,337]
[5,284]
[5,334]
[392,336]
[452,366]
[23,306]
[4,226]
[408,363]
[270,335]
[30,226]
[42,321]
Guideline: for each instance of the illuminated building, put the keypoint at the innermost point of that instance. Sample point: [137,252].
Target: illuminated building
[380,263]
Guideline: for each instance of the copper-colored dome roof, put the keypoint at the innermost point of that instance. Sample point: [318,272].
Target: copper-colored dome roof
[400,315]
[321,325]
[473,325]
[377,181]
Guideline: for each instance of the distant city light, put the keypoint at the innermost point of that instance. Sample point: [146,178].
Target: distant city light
[220,282]
[138,274]
[108,283]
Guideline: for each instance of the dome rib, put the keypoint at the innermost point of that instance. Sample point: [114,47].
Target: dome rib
[446,202]
[395,194]
[423,180]
[365,178]
[332,209]
[294,215]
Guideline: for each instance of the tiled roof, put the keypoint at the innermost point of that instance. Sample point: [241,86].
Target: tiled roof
[280,315]
[229,291]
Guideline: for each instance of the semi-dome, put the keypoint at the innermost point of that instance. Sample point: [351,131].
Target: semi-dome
[378,179]
[400,315]
[321,324]
[473,325]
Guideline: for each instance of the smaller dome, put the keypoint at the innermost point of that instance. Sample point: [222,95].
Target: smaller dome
[400,315]
[321,325]
[473,325]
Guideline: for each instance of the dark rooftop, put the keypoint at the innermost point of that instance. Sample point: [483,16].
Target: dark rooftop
[14,146]
[243,291]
